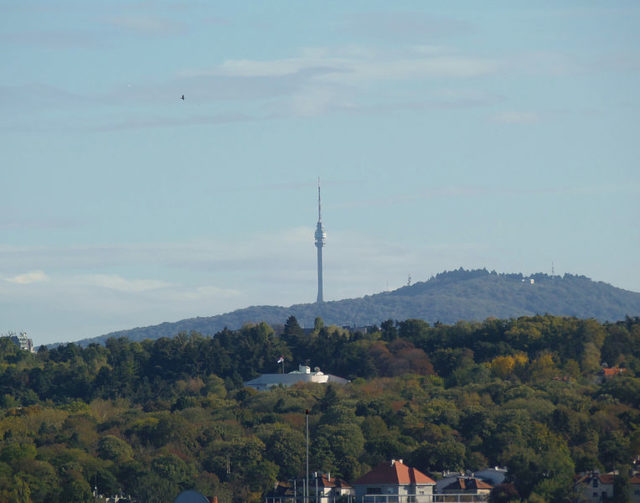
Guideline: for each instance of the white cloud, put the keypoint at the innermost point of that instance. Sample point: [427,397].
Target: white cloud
[319,80]
[28,278]
[75,307]
[314,81]
[361,65]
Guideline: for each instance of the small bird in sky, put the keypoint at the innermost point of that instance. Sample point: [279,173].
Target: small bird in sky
[182,97]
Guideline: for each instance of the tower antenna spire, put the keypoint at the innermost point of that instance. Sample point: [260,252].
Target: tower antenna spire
[319,203]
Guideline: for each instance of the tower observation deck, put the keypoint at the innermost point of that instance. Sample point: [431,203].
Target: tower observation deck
[321,237]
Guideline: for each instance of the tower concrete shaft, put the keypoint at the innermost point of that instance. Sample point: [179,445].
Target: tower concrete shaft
[320,236]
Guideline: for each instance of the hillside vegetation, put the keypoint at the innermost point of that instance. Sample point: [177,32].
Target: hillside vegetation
[154,417]
[447,298]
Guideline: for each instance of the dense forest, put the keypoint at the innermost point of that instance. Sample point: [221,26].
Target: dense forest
[152,418]
[446,298]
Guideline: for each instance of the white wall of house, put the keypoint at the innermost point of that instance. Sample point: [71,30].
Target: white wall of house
[595,492]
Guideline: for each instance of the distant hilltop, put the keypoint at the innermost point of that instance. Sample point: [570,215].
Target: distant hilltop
[448,297]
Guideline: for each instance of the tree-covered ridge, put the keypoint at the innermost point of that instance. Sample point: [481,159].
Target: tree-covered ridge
[151,418]
[447,298]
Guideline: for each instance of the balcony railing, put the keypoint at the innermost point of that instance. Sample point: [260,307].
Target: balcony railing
[388,498]
[425,498]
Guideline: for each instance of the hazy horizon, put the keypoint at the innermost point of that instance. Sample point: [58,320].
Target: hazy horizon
[381,316]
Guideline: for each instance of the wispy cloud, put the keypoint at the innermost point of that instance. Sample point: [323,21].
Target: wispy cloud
[93,288]
[355,64]
[222,255]
[215,276]
[315,81]
[70,307]
[28,278]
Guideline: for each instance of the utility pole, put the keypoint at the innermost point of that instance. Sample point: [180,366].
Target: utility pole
[306,496]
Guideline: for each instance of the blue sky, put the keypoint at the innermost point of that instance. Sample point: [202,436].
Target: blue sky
[477,134]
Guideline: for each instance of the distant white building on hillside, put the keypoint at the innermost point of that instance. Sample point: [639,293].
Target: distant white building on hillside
[22,341]
[303,374]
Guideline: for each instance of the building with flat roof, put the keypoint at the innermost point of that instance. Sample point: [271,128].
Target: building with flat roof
[303,374]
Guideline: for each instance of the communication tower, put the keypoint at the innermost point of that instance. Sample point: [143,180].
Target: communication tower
[321,237]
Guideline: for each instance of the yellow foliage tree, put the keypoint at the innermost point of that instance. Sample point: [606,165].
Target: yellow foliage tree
[502,366]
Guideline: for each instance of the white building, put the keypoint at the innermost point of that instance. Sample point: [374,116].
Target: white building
[394,482]
[303,374]
[595,487]
[22,341]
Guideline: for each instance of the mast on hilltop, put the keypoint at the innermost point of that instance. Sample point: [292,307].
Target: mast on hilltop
[321,237]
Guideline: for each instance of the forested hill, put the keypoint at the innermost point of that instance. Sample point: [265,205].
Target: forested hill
[448,297]
[154,418]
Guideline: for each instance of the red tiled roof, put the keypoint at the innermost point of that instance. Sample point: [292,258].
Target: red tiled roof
[396,473]
[604,478]
[333,482]
[613,371]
